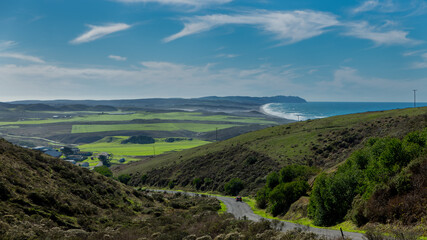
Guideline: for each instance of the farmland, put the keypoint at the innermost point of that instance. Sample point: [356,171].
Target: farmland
[88,130]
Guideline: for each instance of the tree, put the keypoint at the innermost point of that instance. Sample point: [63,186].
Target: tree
[272,180]
[234,186]
[104,159]
[103,170]
[197,182]
[124,178]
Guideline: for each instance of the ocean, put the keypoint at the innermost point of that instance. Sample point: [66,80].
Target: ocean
[313,110]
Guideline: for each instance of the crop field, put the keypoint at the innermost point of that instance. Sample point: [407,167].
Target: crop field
[190,116]
[130,151]
[194,127]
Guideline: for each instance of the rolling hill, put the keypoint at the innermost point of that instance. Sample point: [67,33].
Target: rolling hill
[324,143]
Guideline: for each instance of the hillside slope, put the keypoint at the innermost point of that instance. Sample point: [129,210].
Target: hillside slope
[322,142]
[38,193]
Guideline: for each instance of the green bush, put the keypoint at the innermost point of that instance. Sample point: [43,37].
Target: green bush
[272,180]
[234,186]
[171,184]
[262,197]
[284,194]
[103,170]
[197,182]
[361,175]
[124,178]
[296,172]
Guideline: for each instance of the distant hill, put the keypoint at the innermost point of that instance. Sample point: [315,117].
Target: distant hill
[206,103]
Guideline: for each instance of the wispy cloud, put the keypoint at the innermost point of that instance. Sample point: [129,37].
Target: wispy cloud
[97,32]
[422,63]
[347,81]
[287,27]
[191,3]
[386,6]
[366,6]
[225,55]
[22,57]
[151,79]
[376,34]
[117,58]
[7,44]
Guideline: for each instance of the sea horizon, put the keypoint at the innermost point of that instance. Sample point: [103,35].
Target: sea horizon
[322,109]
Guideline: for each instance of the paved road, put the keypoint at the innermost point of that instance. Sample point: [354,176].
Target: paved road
[242,209]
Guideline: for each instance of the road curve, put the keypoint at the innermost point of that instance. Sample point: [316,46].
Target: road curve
[242,209]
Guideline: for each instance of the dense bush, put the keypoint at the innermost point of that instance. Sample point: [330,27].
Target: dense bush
[197,182]
[124,178]
[379,163]
[234,186]
[284,188]
[103,170]
[139,140]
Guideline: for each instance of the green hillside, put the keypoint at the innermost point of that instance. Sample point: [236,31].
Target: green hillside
[323,143]
[47,198]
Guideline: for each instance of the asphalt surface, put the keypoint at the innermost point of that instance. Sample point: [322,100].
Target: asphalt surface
[243,210]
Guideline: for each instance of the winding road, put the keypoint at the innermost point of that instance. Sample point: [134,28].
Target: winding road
[242,209]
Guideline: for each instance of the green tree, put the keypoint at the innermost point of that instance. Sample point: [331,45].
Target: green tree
[124,178]
[234,186]
[197,182]
[104,170]
[272,180]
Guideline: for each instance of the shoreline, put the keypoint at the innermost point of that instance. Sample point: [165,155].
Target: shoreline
[264,110]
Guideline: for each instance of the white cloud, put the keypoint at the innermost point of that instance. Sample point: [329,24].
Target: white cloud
[224,55]
[385,6]
[117,58]
[152,79]
[366,6]
[349,85]
[381,37]
[97,32]
[421,64]
[22,57]
[287,27]
[192,3]
[7,44]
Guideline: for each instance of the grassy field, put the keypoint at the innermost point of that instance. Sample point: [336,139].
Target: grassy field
[130,151]
[194,127]
[191,116]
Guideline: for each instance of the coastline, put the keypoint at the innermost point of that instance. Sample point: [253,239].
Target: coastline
[265,109]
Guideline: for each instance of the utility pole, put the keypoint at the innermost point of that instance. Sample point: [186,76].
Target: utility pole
[415,97]
[216,135]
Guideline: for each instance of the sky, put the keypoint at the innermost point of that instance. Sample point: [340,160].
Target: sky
[329,50]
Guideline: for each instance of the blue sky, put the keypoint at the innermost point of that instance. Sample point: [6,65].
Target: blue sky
[329,50]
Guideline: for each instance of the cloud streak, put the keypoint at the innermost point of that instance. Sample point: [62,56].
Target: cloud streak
[287,27]
[117,58]
[363,30]
[97,32]
[192,3]
[22,57]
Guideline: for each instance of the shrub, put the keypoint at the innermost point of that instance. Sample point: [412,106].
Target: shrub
[234,186]
[272,180]
[197,182]
[124,178]
[284,194]
[171,184]
[103,170]
[262,198]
